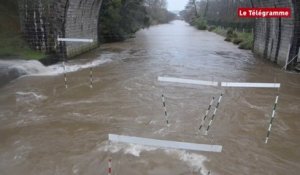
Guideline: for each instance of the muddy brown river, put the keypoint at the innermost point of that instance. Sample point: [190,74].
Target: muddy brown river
[46,129]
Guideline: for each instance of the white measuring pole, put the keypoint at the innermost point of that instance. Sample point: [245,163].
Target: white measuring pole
[165,108]
[250,85]
[109,166]
[187,81]
[166,144]
[64,67]
[272,118]
[75,40]
[206,113]
[91,77]
[65,75]
[214,114]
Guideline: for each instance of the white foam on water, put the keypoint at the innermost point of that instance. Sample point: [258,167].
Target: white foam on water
[153,122]
[193,160]
[29,96]
[251,105]
[78,102]
[59,68]
[161,131]
[132,149]
[137,149]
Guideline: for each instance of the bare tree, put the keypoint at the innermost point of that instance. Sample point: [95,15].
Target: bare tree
[206,9]
[195,6]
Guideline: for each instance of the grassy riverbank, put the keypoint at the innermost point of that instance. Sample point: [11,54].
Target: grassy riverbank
[12,44]
[243,39]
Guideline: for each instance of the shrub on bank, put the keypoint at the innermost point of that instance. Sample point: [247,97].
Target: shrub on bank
[247,43]
[211,28]
[237,41]
[200,23]
[227,39]
[231,34]
[220,31]
[243,39]
[12,45]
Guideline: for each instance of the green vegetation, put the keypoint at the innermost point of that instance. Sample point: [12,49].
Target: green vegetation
[200,23]
[12,44]
[157,12]
[198,13]
[211,28]
[237,41]
[220,31]
[120,19]
[243,39]
[247,41]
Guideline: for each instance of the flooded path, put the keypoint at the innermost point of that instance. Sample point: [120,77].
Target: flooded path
[46,129]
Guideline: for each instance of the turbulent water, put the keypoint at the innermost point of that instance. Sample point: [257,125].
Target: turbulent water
[47,129]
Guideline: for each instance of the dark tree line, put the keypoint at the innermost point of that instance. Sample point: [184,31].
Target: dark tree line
[120,19]
[217,12]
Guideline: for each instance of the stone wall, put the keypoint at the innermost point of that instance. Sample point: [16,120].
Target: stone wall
[43,21]
[275,39]
[278,39]
[82,22]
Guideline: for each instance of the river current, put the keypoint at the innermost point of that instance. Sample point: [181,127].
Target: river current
[49,130]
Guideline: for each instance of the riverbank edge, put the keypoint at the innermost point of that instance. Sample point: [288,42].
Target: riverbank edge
[244,40]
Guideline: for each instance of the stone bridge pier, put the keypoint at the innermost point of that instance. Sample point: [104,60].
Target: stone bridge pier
[43,21]
[278,39]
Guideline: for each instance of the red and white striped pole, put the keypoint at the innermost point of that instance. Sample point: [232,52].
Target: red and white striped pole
[109,166]
[272,118]
[91,77]
[165,108]
[206,113]
[214,114]
[65,75]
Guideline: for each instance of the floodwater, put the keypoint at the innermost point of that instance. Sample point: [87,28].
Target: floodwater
[49,130]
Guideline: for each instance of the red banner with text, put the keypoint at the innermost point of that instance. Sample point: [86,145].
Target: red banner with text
[264,12]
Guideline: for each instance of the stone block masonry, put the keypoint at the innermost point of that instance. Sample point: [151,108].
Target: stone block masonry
[43,21]
[278,39]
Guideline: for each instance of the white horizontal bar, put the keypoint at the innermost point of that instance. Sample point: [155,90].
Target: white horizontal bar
[165,143]
[251,85]
[75,40]
[187,81]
